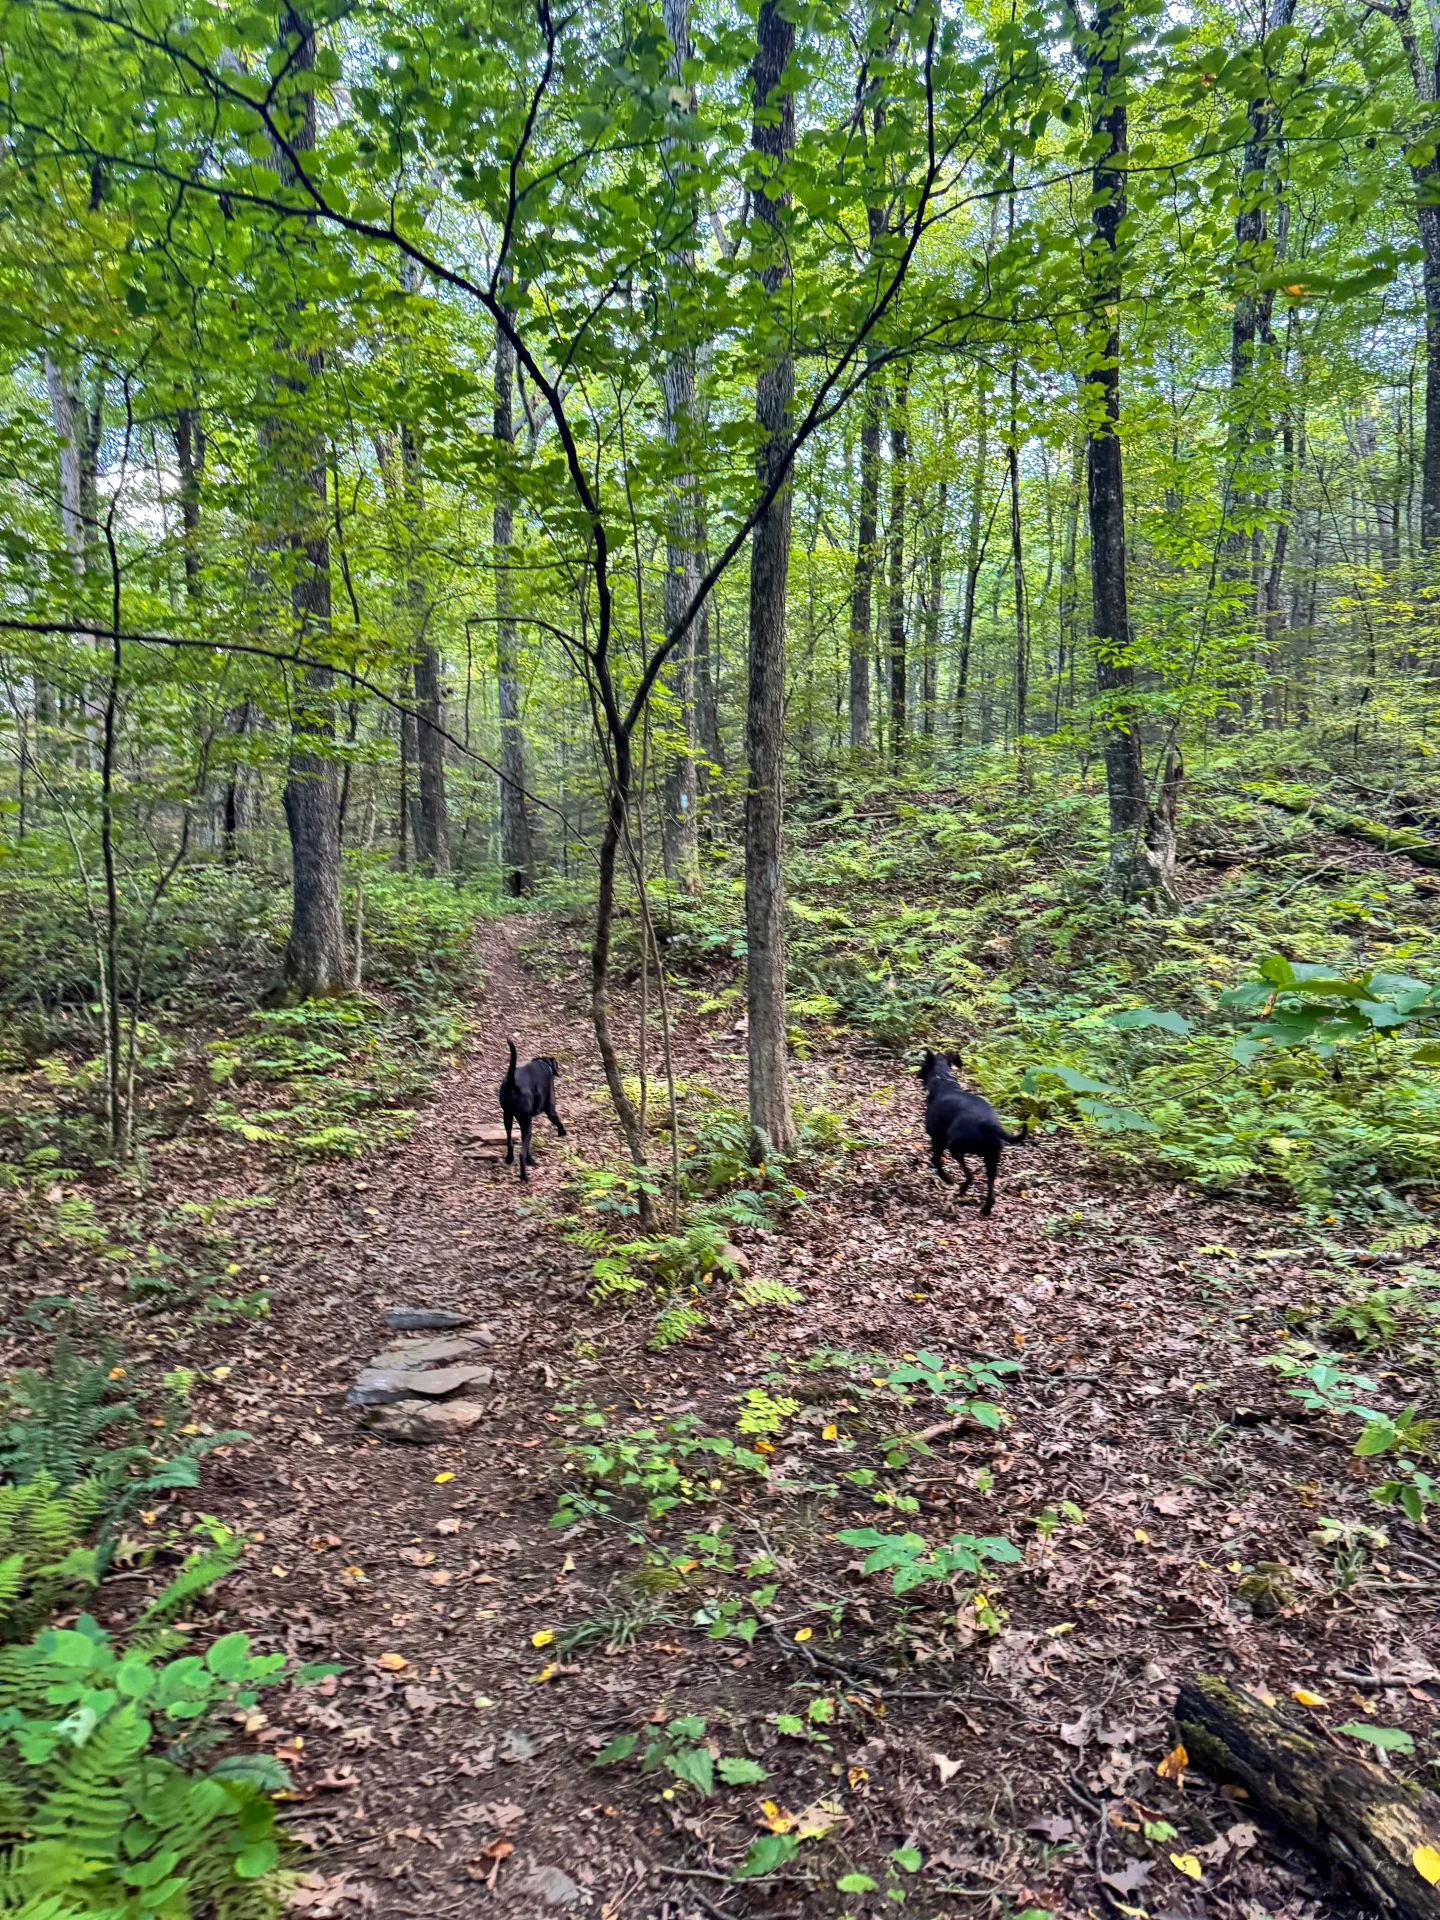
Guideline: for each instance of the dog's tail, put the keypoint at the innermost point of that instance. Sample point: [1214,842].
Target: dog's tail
[1017,1139]
[510,1070]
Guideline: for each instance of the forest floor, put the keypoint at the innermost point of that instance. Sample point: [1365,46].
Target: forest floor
[989,1773]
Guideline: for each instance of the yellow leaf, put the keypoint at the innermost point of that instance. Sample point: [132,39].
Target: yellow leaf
[818,1819]
[804,1633]
[392,1662]
[220,1373]
[857,1776]
[763,1446]
[1173,1766]
[1426,1862]
[541,1639]
[1187,1864]
[1307,1699]
[832,1432]
[775,1818]
[116,1373]
[280,1573]
[441,1478]
[354,1573]
[546,1673]
[1142,1536]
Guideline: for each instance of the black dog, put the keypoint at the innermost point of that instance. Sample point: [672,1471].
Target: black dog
[524,1095]
[960,1123]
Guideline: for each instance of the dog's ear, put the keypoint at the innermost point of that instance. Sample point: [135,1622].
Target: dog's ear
[923,1071]
[953,1059]
[554,1066]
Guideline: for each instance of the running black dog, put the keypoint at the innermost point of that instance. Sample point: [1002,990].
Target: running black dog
[959,1123]
[526,1093]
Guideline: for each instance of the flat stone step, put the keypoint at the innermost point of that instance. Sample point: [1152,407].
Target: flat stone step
[424,1422]
[424,1319]
[430,1353]
[381,1386]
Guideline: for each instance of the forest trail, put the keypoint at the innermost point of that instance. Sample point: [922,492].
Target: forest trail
[451,1764]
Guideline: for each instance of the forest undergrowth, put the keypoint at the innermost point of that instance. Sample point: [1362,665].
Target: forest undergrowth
[827,1550]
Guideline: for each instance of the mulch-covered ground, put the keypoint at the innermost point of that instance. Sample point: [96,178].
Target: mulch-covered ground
[451,1766]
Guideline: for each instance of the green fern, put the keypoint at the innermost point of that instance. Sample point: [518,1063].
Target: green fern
[42,1563]
[60,1415]
[760,1292]
[672,1326]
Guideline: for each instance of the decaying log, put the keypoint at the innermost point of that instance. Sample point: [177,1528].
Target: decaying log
[1382,1830]
[1418,847]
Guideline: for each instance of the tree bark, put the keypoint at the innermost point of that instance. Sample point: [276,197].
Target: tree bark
[517,853]
[430,820]
[316,956]
[1132,867]
[773,140]
[861,593]
[190,459]
[931,665]
[1017,569]
[1068,608]
[1425,80]
[899,479]
[974,555]
[1366,1821]
[679,839]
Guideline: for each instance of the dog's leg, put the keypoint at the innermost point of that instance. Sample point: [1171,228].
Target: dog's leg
[992,1165]
[525,1124]
[553,1117]
[509,1138]
[937,1161]
[969,1180]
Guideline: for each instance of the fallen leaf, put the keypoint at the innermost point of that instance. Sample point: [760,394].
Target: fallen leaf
[441,1478]
[393,1662]
[1171,1504]
[946,1767]
[1142,1536]
[440,1578]
[819,1818]
[776,1819]
[1187,1864]
[1426,1862]
[541,1639]
[1129,1878]
[804,1633]
[547,1672]
[1053,1827]
[1307,1699]
[1173,1766]
[832,1432]
[450,1524]
[1243,1837]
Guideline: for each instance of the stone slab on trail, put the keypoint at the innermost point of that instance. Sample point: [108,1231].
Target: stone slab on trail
[381,1386]
[406,1354]
[424,1422]
[424,1319]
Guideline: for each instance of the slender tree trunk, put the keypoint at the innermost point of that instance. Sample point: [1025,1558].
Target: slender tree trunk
[430,819]
[517,855]
[679,839]
[774,140]
[974,554]
[861,593]
[1017,569]
[190,459]
[316,954]
[65,412]
[899,479]
[707,674]
[1133,869]
[1068,605]
[931,672]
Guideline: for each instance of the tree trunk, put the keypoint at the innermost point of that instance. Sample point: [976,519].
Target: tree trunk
[429,818]
[931,665]
[974,555]
[1371,1824]
[679,840]
[316,957]
[707,674]
[774,139]
[1132,866]
[861,593]
[190,458]
[899,477]
[1068,609]
[1017,569]
[517,854]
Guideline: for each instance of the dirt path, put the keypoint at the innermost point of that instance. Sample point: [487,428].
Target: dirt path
[451,1765]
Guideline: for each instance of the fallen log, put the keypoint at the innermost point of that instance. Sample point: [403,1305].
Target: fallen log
[1353,826]
[1383,1831]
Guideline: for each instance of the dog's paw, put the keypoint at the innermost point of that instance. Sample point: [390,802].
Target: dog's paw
[560,1129]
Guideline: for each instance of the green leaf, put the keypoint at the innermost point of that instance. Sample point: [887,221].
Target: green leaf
[908,1859]
[856,1883]
[695,1767]
[1136,1017]
[736,1771]
[771,1850]
[259,1858]
[1387,1739]
[620,1748]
